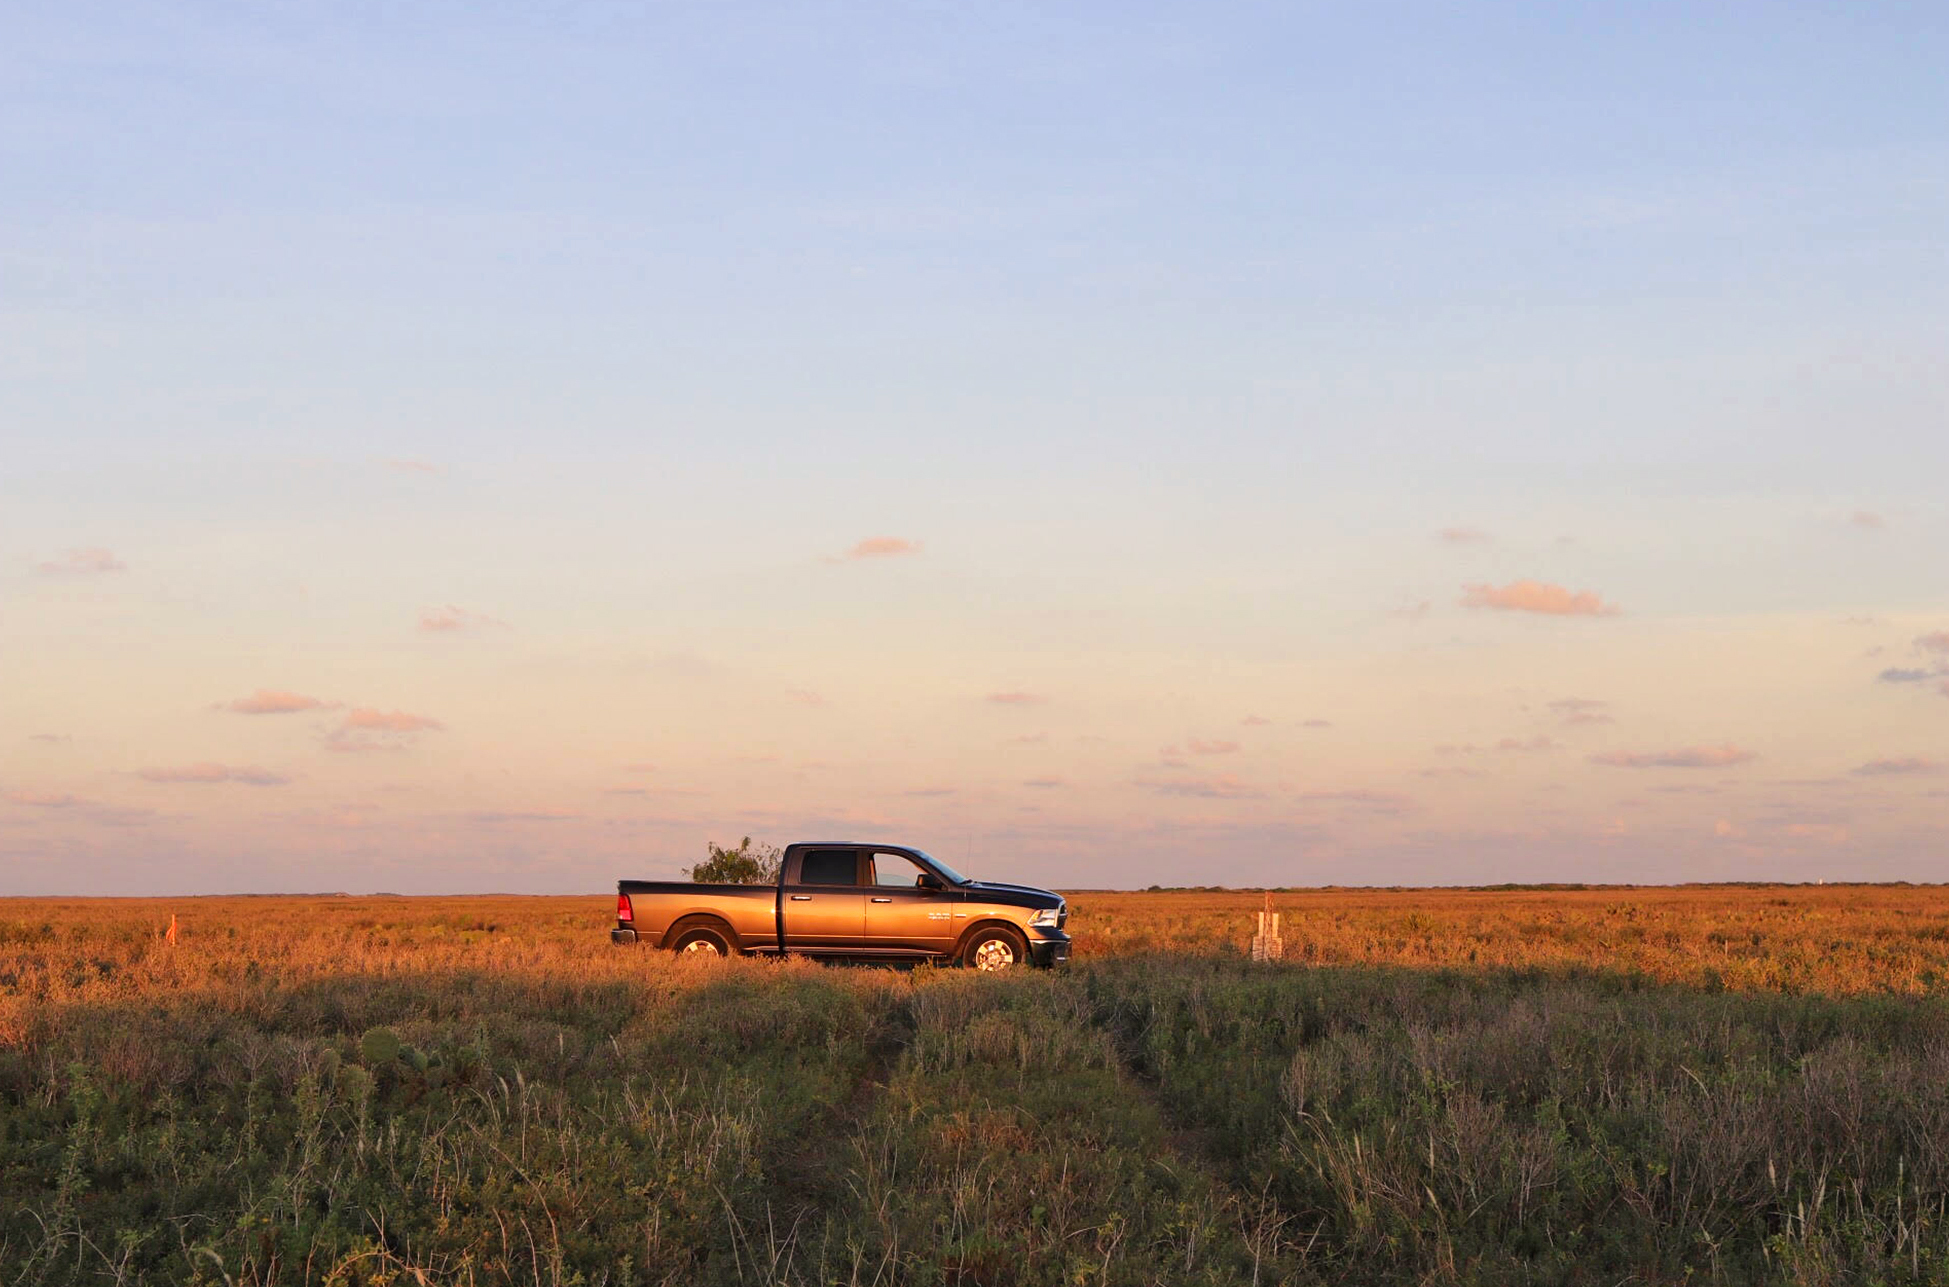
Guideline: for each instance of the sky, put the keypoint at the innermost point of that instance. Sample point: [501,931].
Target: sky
[505,447]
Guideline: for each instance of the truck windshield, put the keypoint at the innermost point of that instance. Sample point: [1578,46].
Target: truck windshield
[953,877]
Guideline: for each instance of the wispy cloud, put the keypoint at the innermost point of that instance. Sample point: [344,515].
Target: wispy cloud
[1221,787]
[1464,536]
[928,793]
[522,815]
[1936,641]
[367,728]
[207,771]
[1017,699]
[1906,675]
[1255,721]
[43,800]
[1379,801]
[276,701]
[1316,723]
[55,738]
[1210,748]
[1528,745]
[1689,757]
[804,697]
[1581,710]
[879,547]
[452,618]
[1044,784]
[1537,596]
[88,561]
[371,719]
[1897,767]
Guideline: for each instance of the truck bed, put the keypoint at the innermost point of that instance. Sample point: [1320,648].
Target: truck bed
[750,910]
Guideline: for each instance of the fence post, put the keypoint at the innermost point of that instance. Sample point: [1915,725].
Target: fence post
[1266,944]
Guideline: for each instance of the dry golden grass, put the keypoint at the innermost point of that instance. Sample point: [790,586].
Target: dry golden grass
[1843,939]
[1466,1087]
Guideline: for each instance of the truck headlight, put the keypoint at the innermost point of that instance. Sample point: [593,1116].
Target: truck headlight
[1047,918]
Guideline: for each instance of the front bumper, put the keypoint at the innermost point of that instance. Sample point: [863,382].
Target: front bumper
[621,935]
[1048,947]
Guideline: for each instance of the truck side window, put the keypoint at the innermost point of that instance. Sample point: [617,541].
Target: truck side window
[896,871]
[829,867]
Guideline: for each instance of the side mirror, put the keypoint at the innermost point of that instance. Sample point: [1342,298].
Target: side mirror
[928,880]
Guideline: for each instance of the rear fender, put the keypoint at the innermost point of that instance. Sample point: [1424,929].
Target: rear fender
[692,920]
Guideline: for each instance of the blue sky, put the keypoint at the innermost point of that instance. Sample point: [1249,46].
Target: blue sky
[1169,342]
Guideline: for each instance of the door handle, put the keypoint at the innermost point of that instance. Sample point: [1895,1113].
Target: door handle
[883,900]
[801,898]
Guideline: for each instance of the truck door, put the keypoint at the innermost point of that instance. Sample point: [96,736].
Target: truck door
[901,912]
[824,901]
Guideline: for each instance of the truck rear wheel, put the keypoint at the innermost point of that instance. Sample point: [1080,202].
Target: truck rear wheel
[995,948]
[702,938]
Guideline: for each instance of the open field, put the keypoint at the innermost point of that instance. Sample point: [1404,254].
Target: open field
[1586,1086]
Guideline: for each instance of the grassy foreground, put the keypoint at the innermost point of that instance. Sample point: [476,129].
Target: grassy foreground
[1653,1086]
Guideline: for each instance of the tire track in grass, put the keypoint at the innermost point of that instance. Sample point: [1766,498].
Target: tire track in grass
[804,1193]
[1012,1146]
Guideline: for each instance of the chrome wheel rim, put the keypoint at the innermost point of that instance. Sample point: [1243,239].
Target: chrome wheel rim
[995,954]
[698,946]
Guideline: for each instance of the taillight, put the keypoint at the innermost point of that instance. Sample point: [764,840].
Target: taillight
[624,912]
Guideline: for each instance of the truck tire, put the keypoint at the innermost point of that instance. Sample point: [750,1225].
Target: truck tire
[703,938]
[995,947]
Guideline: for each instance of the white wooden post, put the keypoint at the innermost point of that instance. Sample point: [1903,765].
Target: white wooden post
[1266,944]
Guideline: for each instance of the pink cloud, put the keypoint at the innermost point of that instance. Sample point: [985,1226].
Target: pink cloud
[1017,699]
[453,618]
[210,772]
[1892,768]
[40,800]
[1210,748]
[1690,757]
[274,701]
[367,728]
[88,561]
[1221,787]
[1935,641]
[1255,721]
[1867,519]
[1464,536]
[1317,723]
[805,697]
[1537,596]
[1381,801]
[875,547]
[366,718]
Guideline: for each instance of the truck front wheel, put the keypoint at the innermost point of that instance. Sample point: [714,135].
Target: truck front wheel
[702,939]
[995,948]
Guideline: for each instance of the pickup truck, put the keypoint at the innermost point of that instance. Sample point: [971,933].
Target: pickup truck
[844,899]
